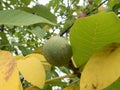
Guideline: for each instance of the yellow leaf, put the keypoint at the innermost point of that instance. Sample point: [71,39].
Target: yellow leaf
[102,69]
[39,56]
[31,88]
[19,57]
[101,8]
[46,65]
[9,76]
[32,70]
[38,50]
[20,86]
[72,87]
[47,27]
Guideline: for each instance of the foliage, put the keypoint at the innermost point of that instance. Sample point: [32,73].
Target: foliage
[91,36]
[89,25]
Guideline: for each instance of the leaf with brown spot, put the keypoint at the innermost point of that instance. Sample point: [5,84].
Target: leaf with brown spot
[102,69]
[9,76]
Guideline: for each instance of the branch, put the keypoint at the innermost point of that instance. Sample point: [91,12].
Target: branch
[97,7]
[74,82]
[67,30]
[61,77]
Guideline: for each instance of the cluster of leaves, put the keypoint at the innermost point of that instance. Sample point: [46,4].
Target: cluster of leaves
[24,28]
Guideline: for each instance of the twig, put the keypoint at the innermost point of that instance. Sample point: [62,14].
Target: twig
[67,30]
[74,82]
[97,7]
[61,77]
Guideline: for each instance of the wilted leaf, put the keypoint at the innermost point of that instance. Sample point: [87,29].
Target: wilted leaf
[32,70]
[90,34]
[9,76]
[102,69]
[18,18]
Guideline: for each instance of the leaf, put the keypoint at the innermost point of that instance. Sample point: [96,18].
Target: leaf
[20,86]
[39,32]
[32,88]
[90,34]
[38,50]
[65,70]
[112,3]
[19,57]
[72,87]
[18,18]
[39,56]
[44,12]
[26,2]
[9,76]
[97,1]
[42,59]
[32,70]
[114,86]
[47,87]
[25,50]
[3,41]
[57,83]
[4,38]
[102,69]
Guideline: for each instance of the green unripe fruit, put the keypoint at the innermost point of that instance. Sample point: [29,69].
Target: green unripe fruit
[57,51]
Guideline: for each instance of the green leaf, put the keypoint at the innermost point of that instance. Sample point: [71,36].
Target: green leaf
[90,34]
[25,50]
[4,39]
[26,2]
[65,70]
[47,87]
[13,1]
[44,12]
[97,1]
[114,86]
[39,32]
[112,3]
[18,18]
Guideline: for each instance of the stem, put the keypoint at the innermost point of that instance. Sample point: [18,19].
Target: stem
[61,77]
